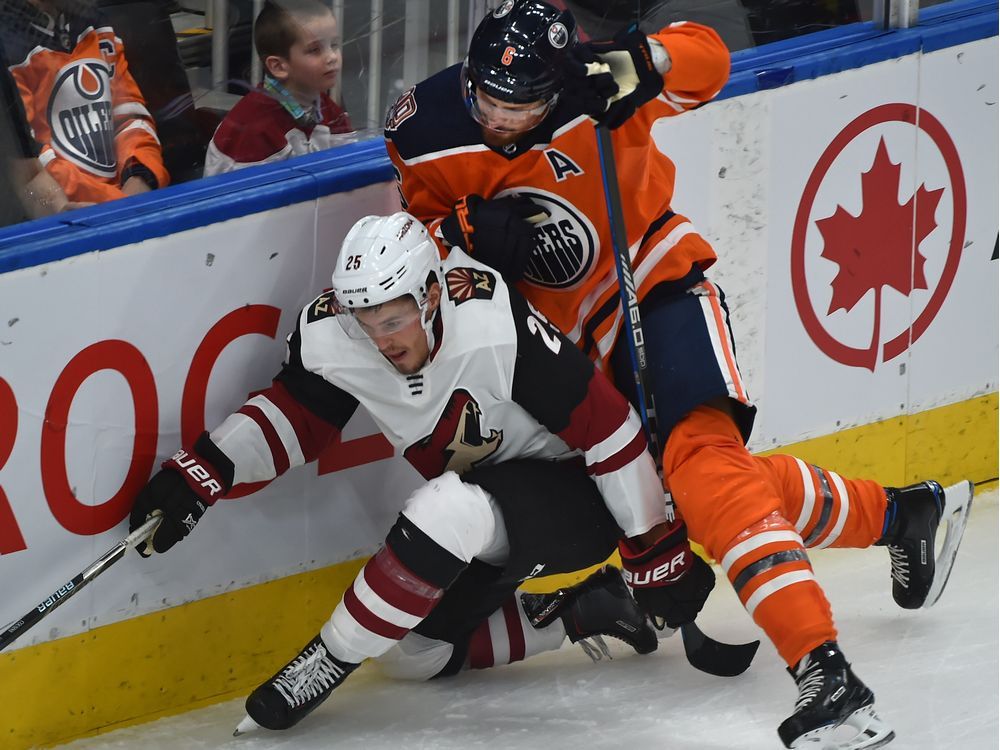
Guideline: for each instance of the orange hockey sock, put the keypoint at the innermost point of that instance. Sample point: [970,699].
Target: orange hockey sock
[826,509]
[734,505]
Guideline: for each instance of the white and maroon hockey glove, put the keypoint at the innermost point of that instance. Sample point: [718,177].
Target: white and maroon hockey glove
[190,481]
[668,580]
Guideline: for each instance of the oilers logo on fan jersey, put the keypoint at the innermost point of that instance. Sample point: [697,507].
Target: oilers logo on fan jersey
[80,116]
[85,110]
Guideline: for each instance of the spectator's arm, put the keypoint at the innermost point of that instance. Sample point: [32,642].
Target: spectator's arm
[140,158]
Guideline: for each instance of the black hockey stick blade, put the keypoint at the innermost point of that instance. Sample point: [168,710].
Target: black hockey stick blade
[712,656]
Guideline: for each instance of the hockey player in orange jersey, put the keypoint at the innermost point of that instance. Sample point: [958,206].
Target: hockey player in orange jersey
[498,156]
[96,137]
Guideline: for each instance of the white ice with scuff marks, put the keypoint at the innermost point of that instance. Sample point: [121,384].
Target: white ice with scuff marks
[934,673]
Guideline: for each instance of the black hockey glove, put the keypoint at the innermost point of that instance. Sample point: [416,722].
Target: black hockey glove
[499,232]
[611,80]
[182,491]
[668,580]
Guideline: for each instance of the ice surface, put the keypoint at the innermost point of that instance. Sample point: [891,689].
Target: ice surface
[934,672]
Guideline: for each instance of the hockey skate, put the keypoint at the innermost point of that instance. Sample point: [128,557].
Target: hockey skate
[831,697]
[915,512]
[301,685]
[599,606]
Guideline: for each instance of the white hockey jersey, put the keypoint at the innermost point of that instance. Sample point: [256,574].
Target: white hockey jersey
[500,384]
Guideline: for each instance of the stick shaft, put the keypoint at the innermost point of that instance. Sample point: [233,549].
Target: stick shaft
[629,293]
[702,651]
[22,625]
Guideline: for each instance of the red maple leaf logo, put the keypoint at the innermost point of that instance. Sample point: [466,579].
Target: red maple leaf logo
[879,247]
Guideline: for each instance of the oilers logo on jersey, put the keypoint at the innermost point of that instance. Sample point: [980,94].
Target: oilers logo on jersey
[457,442]
[80,116]
[566,246]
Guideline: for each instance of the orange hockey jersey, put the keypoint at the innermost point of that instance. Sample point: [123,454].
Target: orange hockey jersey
[84,108]
[439,155]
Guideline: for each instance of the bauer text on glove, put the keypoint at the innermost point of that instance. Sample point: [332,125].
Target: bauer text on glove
[190,481]
[668,580]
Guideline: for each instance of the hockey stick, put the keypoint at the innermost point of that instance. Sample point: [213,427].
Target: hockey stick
[18,628]
[704,653]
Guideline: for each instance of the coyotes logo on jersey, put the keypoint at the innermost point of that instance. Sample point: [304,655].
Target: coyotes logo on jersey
[457,442]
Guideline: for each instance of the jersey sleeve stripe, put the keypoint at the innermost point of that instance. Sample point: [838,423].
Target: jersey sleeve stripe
[622,458]
[617,441]
[673,105]
[131,109]
[141,125]
[286,433]
[598,416]
[279,456]
[312,432]
[242,440]
[680,99]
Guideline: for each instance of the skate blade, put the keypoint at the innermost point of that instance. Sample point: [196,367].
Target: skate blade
[957,506]
[870,732]
[245,726]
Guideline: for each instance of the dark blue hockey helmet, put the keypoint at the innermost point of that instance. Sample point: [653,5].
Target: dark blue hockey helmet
[518,52]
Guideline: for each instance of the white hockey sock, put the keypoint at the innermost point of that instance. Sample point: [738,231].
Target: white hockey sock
[507,636]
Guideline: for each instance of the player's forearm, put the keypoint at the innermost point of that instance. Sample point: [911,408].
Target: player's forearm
[634,496]
[699,60]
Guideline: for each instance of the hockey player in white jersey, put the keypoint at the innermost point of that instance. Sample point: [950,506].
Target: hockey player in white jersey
[535,464]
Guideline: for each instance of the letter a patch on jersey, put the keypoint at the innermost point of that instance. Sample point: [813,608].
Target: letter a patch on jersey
[562,165]
[469,283]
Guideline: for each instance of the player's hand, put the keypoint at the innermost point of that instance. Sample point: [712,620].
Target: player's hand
[499,232]
[614,78]
[667,579]
[182,491]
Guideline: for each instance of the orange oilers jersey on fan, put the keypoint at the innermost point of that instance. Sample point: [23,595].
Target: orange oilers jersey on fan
[439,155]
[84,108]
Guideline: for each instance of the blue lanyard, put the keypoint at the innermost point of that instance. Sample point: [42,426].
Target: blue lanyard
[302,115]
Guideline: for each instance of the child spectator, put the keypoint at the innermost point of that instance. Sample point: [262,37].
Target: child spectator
[290,113]
[95,136]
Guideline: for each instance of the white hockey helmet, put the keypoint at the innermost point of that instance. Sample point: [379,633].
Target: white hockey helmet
[384,258]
